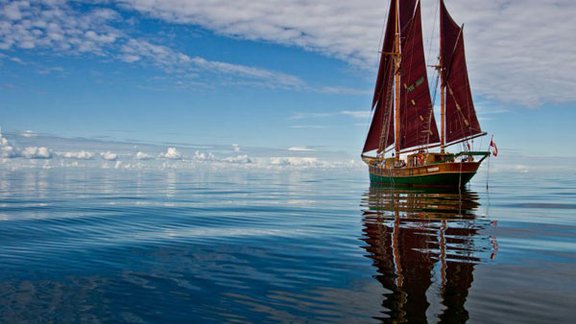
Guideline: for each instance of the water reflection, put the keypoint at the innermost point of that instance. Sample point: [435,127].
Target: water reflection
[425,245]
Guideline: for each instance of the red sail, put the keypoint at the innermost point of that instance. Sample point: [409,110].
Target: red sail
[407,8]
[417,123]
[386,60]
[461,120]
[380,137]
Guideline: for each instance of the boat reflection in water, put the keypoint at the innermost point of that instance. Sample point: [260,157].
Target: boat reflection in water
[425,245]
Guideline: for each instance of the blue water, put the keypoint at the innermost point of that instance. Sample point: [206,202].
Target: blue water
[89,245]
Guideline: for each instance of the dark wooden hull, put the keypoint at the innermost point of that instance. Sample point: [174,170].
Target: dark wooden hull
[446,174]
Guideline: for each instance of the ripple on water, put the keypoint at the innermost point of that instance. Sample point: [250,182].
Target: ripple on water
[278,246]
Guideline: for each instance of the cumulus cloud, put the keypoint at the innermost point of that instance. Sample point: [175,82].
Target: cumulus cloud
[6,149]
[294,161]
[171,154]
[80,155]
[34,152]
[200,156]
[239,159]
[143,156]
[109,156]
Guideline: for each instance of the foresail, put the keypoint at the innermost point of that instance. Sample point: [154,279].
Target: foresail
[417,122]
[379,136]
[461,120]
[386,60]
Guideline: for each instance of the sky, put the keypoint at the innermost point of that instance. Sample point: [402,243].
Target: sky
[289,75]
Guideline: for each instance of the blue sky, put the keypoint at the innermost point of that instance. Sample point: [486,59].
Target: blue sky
[278,74]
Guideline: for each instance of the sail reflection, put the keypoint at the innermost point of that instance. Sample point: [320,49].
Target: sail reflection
[425,245]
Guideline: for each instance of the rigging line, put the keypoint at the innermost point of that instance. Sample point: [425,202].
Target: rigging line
[433,30]
[460,180]
[488,173]
[385,131]
[467,132]
[448,65]
[382,36]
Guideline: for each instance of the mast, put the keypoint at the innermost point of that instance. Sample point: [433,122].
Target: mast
[417,123]
[442,102]
[442,90]
[397,59]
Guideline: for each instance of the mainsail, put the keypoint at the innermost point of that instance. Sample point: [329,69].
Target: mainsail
[417,123]
[461,120]
[379,137]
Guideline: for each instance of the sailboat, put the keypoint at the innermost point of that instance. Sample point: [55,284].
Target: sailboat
[403,121]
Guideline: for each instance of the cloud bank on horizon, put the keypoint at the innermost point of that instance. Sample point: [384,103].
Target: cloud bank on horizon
[519,51]
[31,150]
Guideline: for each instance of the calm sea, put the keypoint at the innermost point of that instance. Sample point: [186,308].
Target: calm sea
[83,245]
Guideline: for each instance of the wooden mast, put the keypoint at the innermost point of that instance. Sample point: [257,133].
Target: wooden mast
[442,110]
[397,79]
[442,94]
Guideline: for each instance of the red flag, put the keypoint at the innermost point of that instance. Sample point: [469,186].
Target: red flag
[493,147]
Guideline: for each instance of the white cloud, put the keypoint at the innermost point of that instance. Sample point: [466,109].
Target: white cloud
[335,28]
[236,148]
[239,159]
[12,10]
[28,134]
[109,156]
[55,25]
[143,156]
[80,155]
[300,149]
[171,154]
[361,114]
[294,161]
[8,151]
[34,152]
[518,51]
[200,156]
